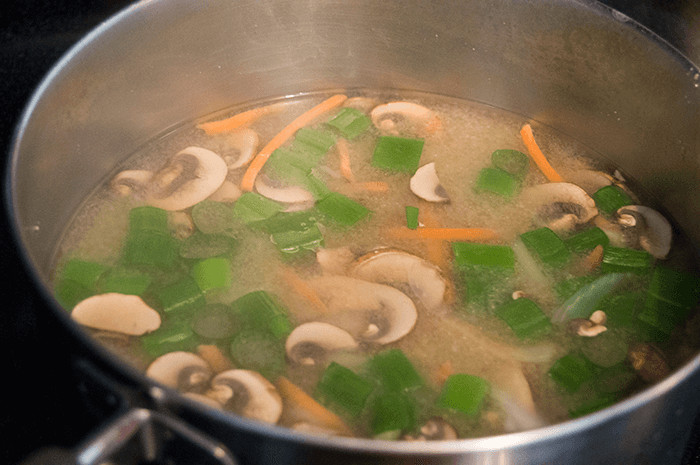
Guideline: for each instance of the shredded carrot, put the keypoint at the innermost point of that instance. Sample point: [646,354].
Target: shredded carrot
[286,133]
[444,370]
[369,186]
[214,357]
[300,286]
[344,153]
[445,234]
[296,396]
[435,250]
[592,261]
[235,121]
[537,155]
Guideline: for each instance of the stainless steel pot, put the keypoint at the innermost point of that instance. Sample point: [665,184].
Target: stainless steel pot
[571,64]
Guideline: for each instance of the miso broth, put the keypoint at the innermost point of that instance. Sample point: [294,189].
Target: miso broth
[392,265]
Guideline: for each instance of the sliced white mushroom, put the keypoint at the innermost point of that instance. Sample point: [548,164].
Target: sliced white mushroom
[369,311]
[435,429]
[653,231]
[335,260]
[310,343]
[202,398]
[228,192]
[591,180]
[247,393]
[613,230]
[181,223]
[364,104]
[181,370]
[267,187]
[121,313]
[128,182]
[426,185]
[240,149]
[401,117]
[404,271]
[189,177]
[560,205]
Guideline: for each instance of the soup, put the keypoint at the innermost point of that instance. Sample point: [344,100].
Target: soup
[396,266]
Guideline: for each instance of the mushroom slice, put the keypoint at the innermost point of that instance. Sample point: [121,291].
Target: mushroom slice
[181,370]
[247,393]
[189,177]
[389,314]
[398,117]
[364,104]
[203,399]
[240,148]
[227,192]
[560,205]
[404,271]
[309,343]
[281,193]
[121,313]
[591,180]
[652,229]
[435,429]
[128,182]
[426,185]
[335,261]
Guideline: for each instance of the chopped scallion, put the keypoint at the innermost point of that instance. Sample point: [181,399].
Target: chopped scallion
[341,387]
[525,318]
[397,154]
[464,393]
[497,256]
[350,122]
[411,217]
[547,246]
[609,198]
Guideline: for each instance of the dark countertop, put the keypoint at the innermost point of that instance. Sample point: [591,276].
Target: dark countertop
[43,407]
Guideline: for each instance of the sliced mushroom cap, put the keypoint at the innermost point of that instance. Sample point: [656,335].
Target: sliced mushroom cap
[560,205]
[310,343]
[227,192]
[426,185]
[335,260]
[592,180]
[404,271]
[189,177]
[654,232]
[247,393]
[121,313]
[387,313]
[181,370]
[364,104]
[128,182]
[241,147]
[267,187]
[399,117]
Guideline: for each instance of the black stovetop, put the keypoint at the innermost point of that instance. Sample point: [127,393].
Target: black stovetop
[43,407]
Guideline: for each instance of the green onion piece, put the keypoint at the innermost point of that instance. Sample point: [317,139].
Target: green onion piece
[181,297]
[316,186]
[496,181]
[571,371]
[147,218]
[585,301]
[464,393]
[397,154]
[212,273]
[173,335]
[496,256]
[341,209]
[609,198]
[213,217]
[350,122]
[214,321]
[342,388]
[411,217]
[485,288]
[614,379]
[77,280]
[200,245]
[567,288]
[126,281]
[621,309]
[394,371]
[598,403]
[69,293]
[262,311]
[675,287]
[258,351]
[296,241]
[661,315]
[251,207]
[621,260]
[547,246]
[313,140]
[512,162]
[290,166]
[525,318]
[587,240]
[150,248]
[289,221]
[392,411]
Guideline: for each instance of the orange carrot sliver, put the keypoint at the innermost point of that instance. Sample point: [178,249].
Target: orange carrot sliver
[276,142]
[445,234]
[344,153]
[537,155]
[369,186]
[303,289]
[296,396]
[214,357]
[235,121]
[444,371]
[435,250]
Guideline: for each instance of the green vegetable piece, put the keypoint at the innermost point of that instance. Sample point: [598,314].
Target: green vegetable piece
[341,209]
[173,335]
[662,316]
[291,166]
[585,300]
[609,198]
[512,162]
[181,297]
[69,293]
[262,311]
[621,260]
[394,371]
[525,318]
[621,309]
[126,281]
[215,321]
[496,256]
[200,245]
[147,218]
[213,217]
[251,207]
[411,217]
[569,287]
[82,272]
[496,181]
[212,273]
[614,379]
[316,186]
[392,411]
[587,240]
[593,405]
[295,241]
[350,122]
[547,246]
[342,388]
[571,371]
[258,351]
[150,248]
[464,393]
[675,287]
[397,154]
[289,221]
[313,140]
[486,288]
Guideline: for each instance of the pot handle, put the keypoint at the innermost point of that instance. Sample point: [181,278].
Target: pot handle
[139,435]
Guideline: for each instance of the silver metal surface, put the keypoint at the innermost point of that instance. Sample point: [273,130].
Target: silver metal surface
[569,64]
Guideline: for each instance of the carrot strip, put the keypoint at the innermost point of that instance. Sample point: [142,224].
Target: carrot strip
[537,155]
[296,396]
[592,261]
[300,286]
[286,133]
[344,153]
[445,234]
[214,357]
[235,121]
[444,370]
[435,250]
[369,186]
